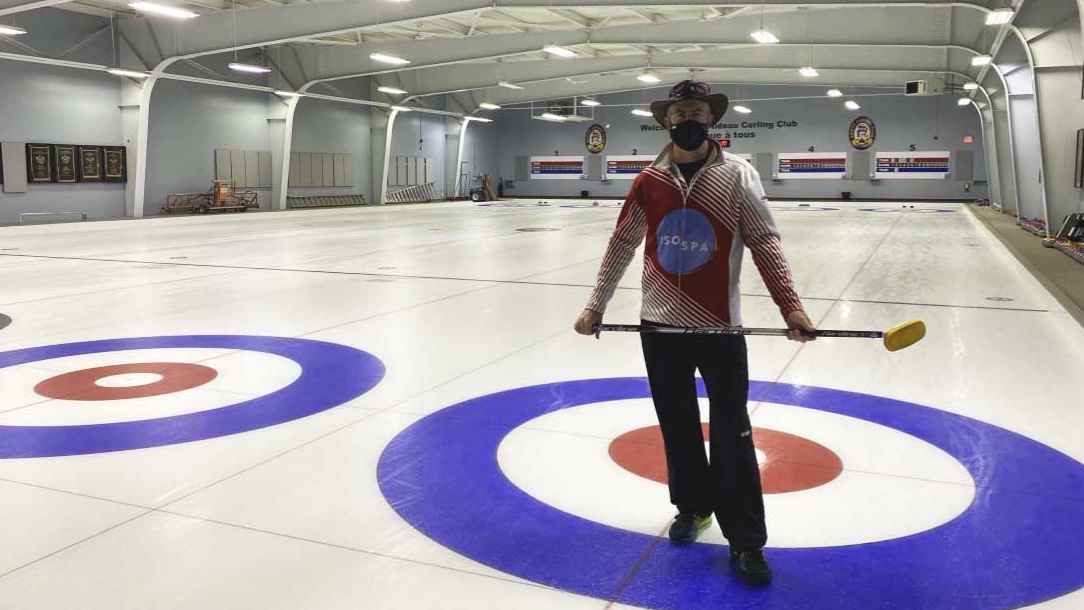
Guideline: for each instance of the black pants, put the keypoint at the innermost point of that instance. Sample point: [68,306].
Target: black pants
[728,483]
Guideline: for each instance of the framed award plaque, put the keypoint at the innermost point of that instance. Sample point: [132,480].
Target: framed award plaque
[90,164]
[39,163]
[66,161]
[114,164]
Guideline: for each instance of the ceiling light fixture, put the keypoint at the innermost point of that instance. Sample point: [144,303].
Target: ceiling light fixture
[851,105]
[479,119]
[240,67]
[489,106]
[391,90]
[981,60]
[558,51]
[508,85]
[388,59]
[401,108]
[835,93]
[549,116]
[163,10]
[808,71]
[287,94]
[742,109]
[764,37]
[128,73]
[10,30]
[970,86]
[590,102]
[642,112]
[963,101]
[648,77]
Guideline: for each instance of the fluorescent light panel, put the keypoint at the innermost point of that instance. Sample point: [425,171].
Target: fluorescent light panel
[851,105]
[163,10]
[388,59]
[128,73]
[590,102]
[970,86]
[999,17]
[648,77]
[508,85]
[963,101]
[641,112]
[479,119]
[392,90]
[808,71]
[558,51]
[287,94]
[764,37]
[10,30]
[488,106]
[249,68]
[980,60]
[742,109]
[835,93]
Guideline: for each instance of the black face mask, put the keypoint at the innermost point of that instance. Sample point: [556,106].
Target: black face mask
[689,135]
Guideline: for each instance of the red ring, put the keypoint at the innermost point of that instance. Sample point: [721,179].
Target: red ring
[80,385]
[794,463]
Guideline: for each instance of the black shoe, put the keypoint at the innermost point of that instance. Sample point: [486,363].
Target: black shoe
[752,567]
[687,527]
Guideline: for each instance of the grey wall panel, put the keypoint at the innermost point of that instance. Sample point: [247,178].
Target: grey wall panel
[350,177]
[14,154]
[252,168]
[304,170]
[860,165]
[237,162]
[765,164]
[523,168]
[264,163]
[223,165]
[594,167]
[964,166]
[340,170]
[412,171]
[328,161]
[401,173]
[317,169]
[295,169]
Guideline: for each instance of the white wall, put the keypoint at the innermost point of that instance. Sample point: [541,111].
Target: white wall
[188,122]
[930,123]
[331,127]
[52,105]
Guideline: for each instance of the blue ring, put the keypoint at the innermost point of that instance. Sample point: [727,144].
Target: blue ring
[331,375]
[1019,543]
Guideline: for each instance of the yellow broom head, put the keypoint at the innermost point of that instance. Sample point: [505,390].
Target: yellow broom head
[904,335]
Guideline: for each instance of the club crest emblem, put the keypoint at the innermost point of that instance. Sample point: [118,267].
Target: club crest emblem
[862,132]
[595,138]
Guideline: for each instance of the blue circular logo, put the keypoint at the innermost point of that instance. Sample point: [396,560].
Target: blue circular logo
[331,375]
[685,241]
[1019,542]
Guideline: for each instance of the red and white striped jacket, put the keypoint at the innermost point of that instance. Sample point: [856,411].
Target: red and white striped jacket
[696,234]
